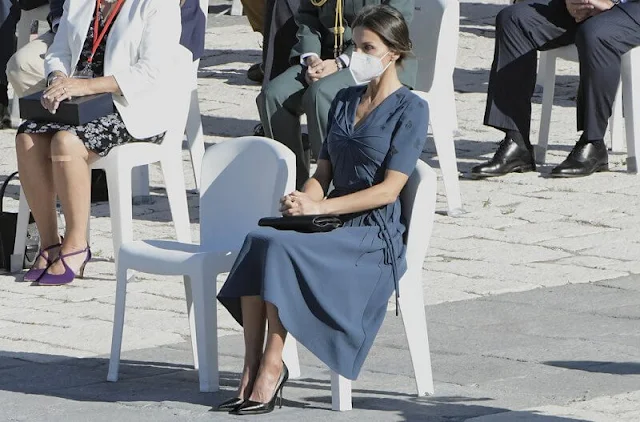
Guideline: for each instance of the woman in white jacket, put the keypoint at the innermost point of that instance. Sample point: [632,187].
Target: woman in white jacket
[127,52]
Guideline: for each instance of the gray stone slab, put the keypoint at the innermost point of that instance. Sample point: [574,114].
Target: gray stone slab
[480,369]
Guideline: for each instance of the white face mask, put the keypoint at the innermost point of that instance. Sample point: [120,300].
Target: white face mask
[365,67]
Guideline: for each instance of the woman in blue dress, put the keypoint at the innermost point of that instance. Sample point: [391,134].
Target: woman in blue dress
[330,290]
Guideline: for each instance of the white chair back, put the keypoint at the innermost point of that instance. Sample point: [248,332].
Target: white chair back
[179,95]
[418,209]
[434,32]
[26,19]
[231,169]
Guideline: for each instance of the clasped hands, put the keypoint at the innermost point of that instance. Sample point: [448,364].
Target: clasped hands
[318,68]
[299,203]
[62,88]
[580,10]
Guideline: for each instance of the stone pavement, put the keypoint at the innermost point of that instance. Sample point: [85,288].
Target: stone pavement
[568,353]
[533,303]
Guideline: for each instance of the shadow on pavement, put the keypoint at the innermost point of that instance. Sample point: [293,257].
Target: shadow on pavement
[603,367]
[83,380]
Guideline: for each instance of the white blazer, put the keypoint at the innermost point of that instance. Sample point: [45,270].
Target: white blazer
[141,51]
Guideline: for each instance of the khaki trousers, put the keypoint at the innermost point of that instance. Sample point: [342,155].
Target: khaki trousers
[284,99]
[255,11]
[25,70]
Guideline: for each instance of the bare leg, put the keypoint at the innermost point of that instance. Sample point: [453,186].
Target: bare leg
[271,364]
[253,322]
[36,179]
[70,162]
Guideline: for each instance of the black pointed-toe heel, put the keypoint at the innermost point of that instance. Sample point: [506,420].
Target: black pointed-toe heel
[249,407]
[228,405]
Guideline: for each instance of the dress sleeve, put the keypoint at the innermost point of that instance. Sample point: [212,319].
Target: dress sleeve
[409,137]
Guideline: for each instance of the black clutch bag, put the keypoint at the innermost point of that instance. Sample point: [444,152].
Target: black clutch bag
[303,223]
[75,112]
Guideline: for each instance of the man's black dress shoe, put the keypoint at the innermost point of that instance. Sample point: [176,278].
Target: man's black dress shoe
[584,159]
[256,73]
[229,405]
[510,157]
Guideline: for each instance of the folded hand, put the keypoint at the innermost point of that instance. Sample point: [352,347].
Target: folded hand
[299,203]
[63,88]
[583,9]
[320,69]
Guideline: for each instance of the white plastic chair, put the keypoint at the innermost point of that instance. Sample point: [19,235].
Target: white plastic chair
[242,180]
[547,78]
[120,162]
[418,207]
[24,31]
[434,31]
[236,8]
[194,132]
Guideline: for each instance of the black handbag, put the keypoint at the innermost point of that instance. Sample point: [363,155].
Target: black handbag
[31,4]
[303,223]
[8,225]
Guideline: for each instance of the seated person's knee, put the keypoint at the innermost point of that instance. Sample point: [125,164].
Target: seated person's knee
[589,34]
[23,70]
[312,93]
[509,16]
[23,143]
[65,146]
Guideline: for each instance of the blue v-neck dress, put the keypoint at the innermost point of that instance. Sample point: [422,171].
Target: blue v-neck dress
[331,289]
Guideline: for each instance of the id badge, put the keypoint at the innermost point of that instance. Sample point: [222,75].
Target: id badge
[85,73]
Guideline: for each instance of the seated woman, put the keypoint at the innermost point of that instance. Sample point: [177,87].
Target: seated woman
[319,71]
[330,290]
[126,51]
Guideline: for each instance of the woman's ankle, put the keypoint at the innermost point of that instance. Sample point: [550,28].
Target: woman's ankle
[71,245]
[49,241]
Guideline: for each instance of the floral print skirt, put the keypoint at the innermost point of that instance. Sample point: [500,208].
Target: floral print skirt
[98,136]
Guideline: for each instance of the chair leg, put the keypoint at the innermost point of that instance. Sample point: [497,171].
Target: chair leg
[15,111]
[542,62]
[20,242]
[615,122]
[548,90]
[290,357]
[631,98]
[176,193]
[204,308]
[442,128]
[340,393]
[415,327]
[188,293]
[195,136]
[118,323]
[140,184]
[119,186]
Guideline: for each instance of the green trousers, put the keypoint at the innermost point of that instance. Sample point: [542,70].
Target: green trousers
[284,99]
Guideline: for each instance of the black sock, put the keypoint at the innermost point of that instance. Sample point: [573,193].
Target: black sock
[595,142]
[4,96]
[518,138]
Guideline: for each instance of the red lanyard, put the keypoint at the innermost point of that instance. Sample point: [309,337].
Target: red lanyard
[98,37]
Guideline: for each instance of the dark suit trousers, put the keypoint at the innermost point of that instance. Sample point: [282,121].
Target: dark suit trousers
[9,15]
[524,28]
[279,31]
